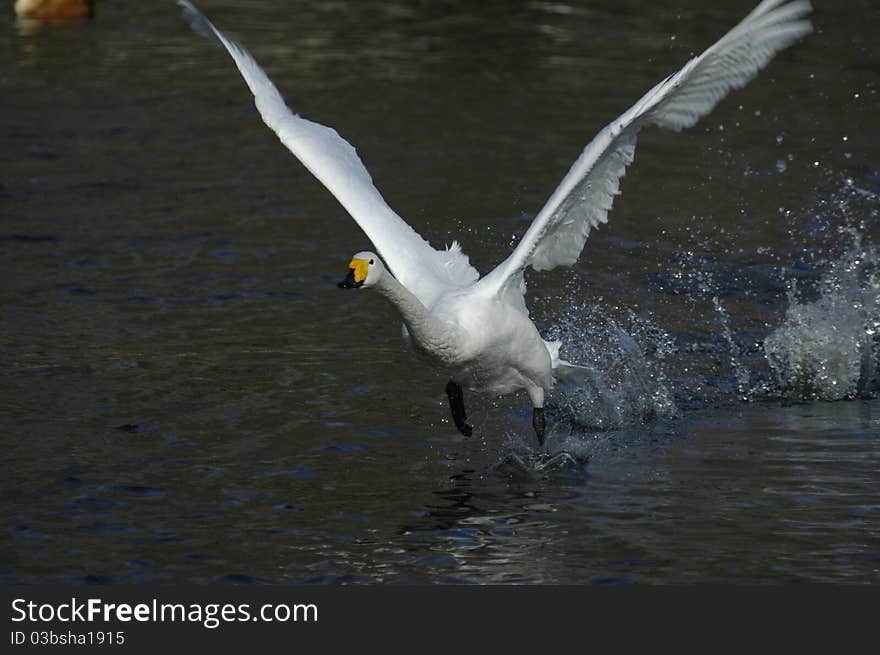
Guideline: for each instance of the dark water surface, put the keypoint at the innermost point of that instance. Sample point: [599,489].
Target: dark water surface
[187,396]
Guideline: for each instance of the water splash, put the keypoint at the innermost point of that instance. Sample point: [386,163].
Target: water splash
[824,345]
[741,371]
[827,346]
[519,462]
[623,383]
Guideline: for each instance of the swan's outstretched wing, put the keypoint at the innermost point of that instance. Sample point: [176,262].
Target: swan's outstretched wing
[583,198]
[330,158]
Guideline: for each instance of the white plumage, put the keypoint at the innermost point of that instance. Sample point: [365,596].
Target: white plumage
[478,330]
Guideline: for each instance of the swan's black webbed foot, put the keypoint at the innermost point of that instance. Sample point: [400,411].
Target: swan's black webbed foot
[456,404]
[539,423]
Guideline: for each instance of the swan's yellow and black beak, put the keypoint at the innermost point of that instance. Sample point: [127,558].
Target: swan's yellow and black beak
[357,273]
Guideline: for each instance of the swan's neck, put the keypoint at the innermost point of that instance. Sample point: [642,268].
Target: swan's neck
[415,315]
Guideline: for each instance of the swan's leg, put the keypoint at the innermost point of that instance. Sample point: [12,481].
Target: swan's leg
[536,394]
[456,404]
[539,423]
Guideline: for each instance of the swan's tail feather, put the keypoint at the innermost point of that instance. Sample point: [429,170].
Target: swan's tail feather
[553,349]
[568,374]
[574,375]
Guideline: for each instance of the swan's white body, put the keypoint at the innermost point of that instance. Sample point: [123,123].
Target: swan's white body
[478,331]
[480,342]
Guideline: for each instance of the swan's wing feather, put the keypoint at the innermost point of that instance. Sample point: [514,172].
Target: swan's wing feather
[582,200]
[331,159]
[731,63]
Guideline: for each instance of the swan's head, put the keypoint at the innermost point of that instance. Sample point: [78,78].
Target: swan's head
[364,270]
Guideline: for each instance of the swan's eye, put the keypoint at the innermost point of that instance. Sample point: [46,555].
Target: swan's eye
[371,262]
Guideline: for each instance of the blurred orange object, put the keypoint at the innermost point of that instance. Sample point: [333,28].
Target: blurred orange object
[54,9]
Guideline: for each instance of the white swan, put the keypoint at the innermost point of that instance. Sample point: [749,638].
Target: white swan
[478,331]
